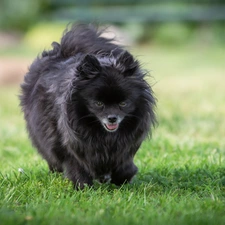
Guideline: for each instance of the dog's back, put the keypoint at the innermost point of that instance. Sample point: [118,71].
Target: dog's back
[83,39]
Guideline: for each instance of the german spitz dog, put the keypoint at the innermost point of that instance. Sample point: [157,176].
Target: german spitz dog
[88,107]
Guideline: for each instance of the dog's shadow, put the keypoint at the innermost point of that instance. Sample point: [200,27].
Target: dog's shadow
[165,179]
[156,179]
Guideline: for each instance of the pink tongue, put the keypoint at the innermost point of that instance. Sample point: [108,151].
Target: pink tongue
[112,126]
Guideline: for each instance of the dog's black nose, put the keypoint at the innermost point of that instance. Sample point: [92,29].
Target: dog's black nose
[112,118]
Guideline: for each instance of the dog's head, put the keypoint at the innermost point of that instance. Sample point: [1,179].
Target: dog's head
[110,88]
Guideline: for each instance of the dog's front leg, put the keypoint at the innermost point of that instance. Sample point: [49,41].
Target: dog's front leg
[124,173]
[77,174]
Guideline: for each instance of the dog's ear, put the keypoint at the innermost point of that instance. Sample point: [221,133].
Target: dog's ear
[126,64]
[89,67]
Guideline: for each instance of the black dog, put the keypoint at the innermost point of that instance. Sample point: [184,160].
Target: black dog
[88,108]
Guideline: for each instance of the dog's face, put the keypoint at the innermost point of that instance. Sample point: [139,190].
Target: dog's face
[109,100]
[106,91]
[110,114]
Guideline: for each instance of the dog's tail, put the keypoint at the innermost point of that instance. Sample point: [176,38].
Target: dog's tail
[81,38]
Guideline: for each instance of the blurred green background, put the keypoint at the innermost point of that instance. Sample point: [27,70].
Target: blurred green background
[27,27]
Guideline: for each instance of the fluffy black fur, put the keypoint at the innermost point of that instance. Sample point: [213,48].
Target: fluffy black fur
[88,107]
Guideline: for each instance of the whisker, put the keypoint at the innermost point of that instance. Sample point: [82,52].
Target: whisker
[95,121]
[89,115]
[130,115]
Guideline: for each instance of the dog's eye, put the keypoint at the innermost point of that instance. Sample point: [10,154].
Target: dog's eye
[99,104]
[122,104]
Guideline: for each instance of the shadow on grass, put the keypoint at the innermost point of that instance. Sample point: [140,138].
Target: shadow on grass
[157,179]
[195,180]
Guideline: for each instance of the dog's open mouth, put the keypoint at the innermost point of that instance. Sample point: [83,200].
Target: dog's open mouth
[111,127]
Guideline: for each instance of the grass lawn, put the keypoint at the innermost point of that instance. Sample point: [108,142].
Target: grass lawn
[181,177]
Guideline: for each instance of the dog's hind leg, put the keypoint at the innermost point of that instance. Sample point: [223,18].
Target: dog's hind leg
[55,167]
[55,158]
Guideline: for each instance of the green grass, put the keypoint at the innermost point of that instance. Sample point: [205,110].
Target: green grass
[181,177]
